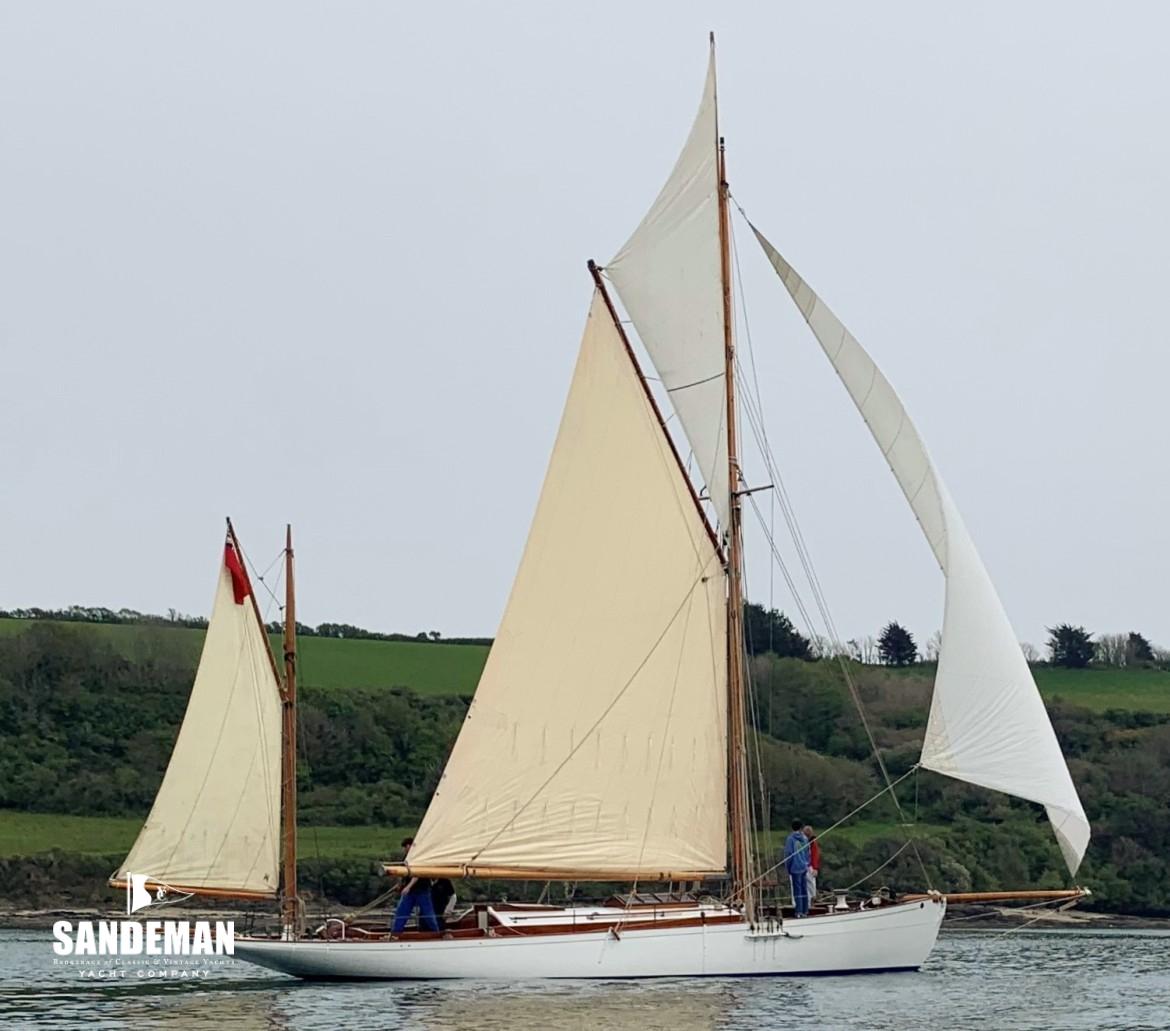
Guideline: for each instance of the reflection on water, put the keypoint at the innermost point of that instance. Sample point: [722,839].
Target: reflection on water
[679,1006]
[1022,981]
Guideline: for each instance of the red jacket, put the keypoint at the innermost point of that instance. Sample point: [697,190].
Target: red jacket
[814,854]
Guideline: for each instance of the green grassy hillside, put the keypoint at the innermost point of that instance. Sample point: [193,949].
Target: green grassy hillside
[436,668]
[30,834]
[328,662]
[1139,690]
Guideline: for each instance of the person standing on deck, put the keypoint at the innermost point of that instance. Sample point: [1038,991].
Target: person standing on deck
[416,894]
[796,863]
[814,862]
[442,900]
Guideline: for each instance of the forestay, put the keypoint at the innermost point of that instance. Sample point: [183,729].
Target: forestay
[668,278]
[988,725]
[215,822]
[596,741]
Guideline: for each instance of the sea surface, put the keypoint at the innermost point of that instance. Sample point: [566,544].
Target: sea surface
[987,980]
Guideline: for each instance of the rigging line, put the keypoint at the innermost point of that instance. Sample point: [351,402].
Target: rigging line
[789,513]
[1039,916]
[605,712]
[806,619]
[905,845]
[769,458]
[696,383]
[753,707]
[855,696]
[267,570]
[1063,903]
[786,502]
[844,819]
[747,329]
[755,421]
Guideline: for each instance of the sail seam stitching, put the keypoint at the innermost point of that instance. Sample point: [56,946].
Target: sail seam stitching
[600,719]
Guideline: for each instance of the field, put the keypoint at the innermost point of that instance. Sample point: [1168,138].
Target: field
[1142,690]
[28,834]
[426,667]
[857,832]
[436,668]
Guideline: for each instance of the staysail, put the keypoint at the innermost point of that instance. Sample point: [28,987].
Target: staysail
[988,725]
[215,823]
[596,741]
[668,278]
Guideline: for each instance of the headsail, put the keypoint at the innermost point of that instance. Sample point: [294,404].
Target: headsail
[596,742]
[988,725]
[215,823]
[668,278]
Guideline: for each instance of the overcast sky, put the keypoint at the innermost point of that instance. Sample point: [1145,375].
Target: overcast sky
[326,263]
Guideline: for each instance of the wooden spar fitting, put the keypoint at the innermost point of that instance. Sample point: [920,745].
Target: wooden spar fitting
[595,271]
[1003,896]
[739,816]
[290,904]
[536,873]
[252,595]
[210,893]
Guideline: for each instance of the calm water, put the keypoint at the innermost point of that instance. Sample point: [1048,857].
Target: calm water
[984,980]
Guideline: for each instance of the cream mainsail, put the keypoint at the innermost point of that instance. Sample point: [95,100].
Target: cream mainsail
[988,725]
[596,742]
[668,277]
[215,823]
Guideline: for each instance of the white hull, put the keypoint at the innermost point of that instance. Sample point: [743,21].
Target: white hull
[897,937]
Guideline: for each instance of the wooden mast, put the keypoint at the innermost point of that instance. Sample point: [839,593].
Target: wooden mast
[290,904]
[739,814]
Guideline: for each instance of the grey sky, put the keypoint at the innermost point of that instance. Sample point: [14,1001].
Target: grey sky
[326,263]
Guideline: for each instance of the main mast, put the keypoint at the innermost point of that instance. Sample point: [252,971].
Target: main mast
[739,813]
[290,904]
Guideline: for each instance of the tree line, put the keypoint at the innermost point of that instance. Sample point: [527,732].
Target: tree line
[132,617]
[768,630]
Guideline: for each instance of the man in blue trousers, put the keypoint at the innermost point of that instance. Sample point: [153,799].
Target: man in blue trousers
[416,894]
[796,861]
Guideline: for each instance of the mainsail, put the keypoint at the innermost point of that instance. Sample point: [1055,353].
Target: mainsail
[215,823]
[596,741]
[668,278]
[988,725]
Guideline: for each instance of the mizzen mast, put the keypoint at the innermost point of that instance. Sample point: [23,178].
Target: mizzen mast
[289,904]
[738,807]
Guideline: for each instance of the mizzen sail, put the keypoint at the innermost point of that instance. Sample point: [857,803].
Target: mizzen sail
[215,823]
[988,725]
[668,278]
[596,741]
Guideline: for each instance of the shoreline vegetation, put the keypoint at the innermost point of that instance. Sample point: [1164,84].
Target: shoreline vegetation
[89,711]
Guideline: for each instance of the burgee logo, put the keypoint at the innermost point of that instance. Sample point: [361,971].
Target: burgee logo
[137,895]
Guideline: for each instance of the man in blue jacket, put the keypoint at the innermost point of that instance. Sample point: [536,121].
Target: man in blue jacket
[796,863]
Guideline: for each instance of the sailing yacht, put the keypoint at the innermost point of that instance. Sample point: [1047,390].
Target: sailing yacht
[608,737]
[223,823]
